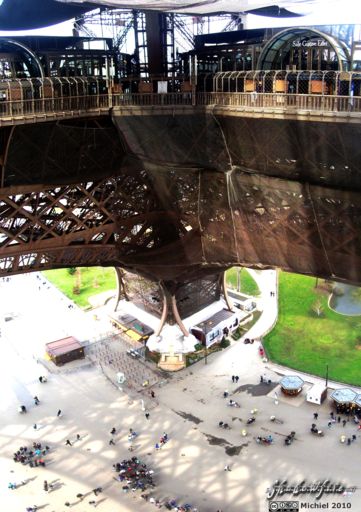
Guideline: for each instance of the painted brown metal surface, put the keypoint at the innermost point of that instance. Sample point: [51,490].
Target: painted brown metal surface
[177,199]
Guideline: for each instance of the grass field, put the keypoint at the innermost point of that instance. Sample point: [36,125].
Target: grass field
[248,284]
[94,280]
[306,342]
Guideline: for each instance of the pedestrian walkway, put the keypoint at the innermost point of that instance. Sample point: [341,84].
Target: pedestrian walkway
[268,303]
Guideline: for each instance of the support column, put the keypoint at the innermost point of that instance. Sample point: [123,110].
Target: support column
[121,290]
[155,42]
[177,316]
[164,313]
[225,293]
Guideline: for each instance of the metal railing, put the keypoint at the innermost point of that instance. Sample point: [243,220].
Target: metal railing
[255,100]
[153,99]
[311,102]
[326,82]
[33,107]
[100,104]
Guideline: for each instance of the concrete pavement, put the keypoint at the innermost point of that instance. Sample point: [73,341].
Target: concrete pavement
[190,467]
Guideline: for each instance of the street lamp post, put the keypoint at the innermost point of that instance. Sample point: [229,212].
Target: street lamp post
[326,376]
[206,331]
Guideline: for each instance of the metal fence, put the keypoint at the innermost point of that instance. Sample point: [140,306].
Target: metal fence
[66,104]
[281,101]
[341,83]
[12,110]
[114,353]
[245,100]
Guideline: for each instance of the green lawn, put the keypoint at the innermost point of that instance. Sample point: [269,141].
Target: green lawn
[303,341]
[248,284]
[94,280]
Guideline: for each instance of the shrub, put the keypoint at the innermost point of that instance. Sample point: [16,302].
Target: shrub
[338,291]
[224,343]
[317,308]
[236,334]
[71,271]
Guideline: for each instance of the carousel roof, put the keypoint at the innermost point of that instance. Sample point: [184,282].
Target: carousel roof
[291,382]
[343,395]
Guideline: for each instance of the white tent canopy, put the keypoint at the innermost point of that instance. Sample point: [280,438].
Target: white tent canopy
[205,6]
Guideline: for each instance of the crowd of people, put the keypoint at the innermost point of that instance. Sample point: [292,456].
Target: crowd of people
[134,475]
[33,456]
[163,439]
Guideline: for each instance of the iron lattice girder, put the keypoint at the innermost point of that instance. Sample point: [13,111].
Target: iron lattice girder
[41,215]
[61,257]
[190,201]
[238,219]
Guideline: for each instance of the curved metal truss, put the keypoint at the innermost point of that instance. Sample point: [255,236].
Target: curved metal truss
[53,227]
[195,198]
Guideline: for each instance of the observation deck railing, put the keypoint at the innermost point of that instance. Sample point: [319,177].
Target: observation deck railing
[36,110]
[63,106]
[321,103]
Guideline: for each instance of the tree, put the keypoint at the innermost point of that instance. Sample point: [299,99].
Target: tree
[77,286]
[239,270]
[317,308]
[356,294]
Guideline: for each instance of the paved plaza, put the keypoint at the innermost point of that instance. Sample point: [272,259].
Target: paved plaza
[188,406]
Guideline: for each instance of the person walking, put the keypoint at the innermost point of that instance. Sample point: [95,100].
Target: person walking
[344,423]
[113,431]
[236,379]
[36,400]
[329,424]
[58,413]
[152,394]
[233,378]
[68,443]
[315,415]
[46,486]
[147,415]
[78,437]
[111,442]
[227,468]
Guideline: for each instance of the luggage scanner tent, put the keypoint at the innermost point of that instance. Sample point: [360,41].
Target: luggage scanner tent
[64,350]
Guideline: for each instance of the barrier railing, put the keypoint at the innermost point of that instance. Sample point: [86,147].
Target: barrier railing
[282,101]
[75,105]
[153,99]
[247,100]
[19,108]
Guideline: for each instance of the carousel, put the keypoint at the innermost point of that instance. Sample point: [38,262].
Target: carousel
[291,385]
